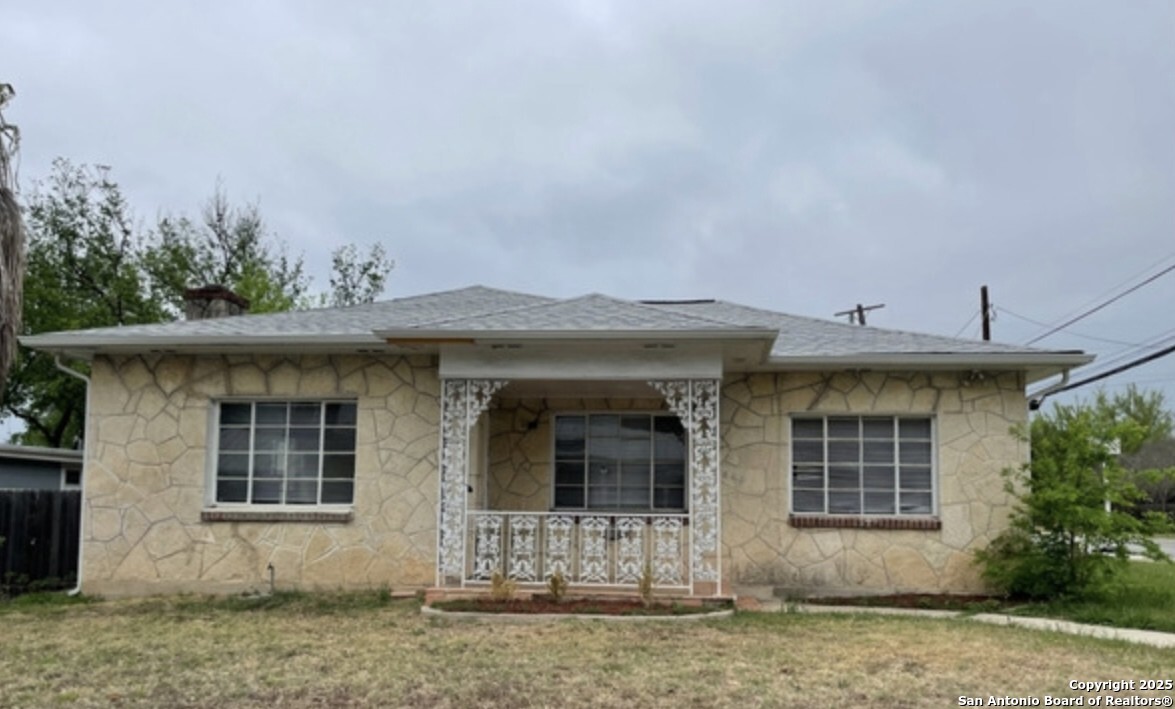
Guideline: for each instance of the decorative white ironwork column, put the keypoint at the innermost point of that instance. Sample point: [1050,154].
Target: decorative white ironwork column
[695,401]
[462,402]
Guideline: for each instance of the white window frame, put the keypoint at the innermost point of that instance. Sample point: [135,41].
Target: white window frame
[65,470]
[212,458]
[652,462]
[896,418]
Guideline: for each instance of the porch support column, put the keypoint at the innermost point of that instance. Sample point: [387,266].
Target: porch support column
[462,402]
[695,401]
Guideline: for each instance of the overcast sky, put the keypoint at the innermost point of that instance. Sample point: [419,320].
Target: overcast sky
[803,157]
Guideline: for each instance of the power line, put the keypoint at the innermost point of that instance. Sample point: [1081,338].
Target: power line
[1109,291]
[968,323]
[1127,352]
[1109,373]
[1033,321]
[1102,305]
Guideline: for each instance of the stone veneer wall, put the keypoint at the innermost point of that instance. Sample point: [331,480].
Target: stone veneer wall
[146,480]
[973,416]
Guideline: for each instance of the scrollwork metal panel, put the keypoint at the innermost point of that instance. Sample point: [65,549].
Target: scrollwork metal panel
[695,401]
[523,547]
[487,546]
[667,548]
[630,549]
[593,550]
[558,546]
[462,402]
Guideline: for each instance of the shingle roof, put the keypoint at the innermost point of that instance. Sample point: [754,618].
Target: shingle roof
[593,313]
[801,336]
[359,321]
[478,311]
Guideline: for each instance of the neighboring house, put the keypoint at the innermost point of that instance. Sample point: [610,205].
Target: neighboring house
[428,441]
[37,468]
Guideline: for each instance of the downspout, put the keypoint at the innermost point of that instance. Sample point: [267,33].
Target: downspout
[1038,398]
[85,477]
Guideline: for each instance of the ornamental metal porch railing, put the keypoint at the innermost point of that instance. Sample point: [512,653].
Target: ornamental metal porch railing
[589,548]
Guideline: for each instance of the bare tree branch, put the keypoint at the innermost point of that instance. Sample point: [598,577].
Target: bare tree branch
[12,242]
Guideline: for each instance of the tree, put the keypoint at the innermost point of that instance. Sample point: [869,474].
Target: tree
[12,243]
[83,271]
[1145,412]
[89,266]
[230,246]
[1062,538]
[357,280]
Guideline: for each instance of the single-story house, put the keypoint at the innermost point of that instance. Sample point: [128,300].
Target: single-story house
[427,441]
[39,468]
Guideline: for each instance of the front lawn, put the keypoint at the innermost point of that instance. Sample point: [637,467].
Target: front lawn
[1143,597]
[300,650]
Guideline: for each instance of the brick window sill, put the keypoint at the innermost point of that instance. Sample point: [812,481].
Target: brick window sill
[860,522]
[263,515]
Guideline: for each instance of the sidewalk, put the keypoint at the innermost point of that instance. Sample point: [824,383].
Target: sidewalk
[1142,637]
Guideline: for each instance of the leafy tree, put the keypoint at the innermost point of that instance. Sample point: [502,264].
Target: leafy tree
[231,247]
[89,266]
[83,271]
[1144,426]
[1145,412]
[357,280]
[1062,539]
[1152,468]
[12,243]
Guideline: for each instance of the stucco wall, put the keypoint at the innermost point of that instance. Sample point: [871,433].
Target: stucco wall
[973,415]
[146,478]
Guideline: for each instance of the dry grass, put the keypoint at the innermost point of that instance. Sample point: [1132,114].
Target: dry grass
[310,651]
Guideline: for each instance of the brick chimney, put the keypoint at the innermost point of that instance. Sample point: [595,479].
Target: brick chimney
[213,302]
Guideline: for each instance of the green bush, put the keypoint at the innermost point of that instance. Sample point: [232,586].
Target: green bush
[1062,541]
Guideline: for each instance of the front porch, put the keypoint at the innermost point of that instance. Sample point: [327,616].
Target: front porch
[598,541]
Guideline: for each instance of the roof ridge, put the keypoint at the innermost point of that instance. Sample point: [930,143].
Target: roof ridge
[890,330]
[418,296]
[546,302]
[695,316]
[555,302]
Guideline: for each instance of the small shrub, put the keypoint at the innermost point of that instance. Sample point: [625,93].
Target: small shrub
[645,585]
[502,588]
[557,586]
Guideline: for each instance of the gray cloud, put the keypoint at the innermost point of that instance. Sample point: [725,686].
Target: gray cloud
[800,156]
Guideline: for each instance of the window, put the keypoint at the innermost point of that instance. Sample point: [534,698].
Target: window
[862,465]
[286,452]
[620,461]
[71,478]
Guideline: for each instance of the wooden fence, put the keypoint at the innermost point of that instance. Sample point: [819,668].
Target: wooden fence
[40,539]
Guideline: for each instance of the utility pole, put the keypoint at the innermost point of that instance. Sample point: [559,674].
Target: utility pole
[857,314]
[985,308]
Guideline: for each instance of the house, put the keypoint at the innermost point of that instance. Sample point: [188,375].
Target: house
[38,468]
[428,441]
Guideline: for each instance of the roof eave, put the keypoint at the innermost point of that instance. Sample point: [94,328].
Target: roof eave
[1038,366]
[87,347]
[494,336]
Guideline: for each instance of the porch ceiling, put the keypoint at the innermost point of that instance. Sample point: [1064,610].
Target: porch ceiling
[577,389]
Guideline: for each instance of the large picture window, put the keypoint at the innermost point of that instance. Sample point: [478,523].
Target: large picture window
[862,465]
[286,452]
[620,461]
